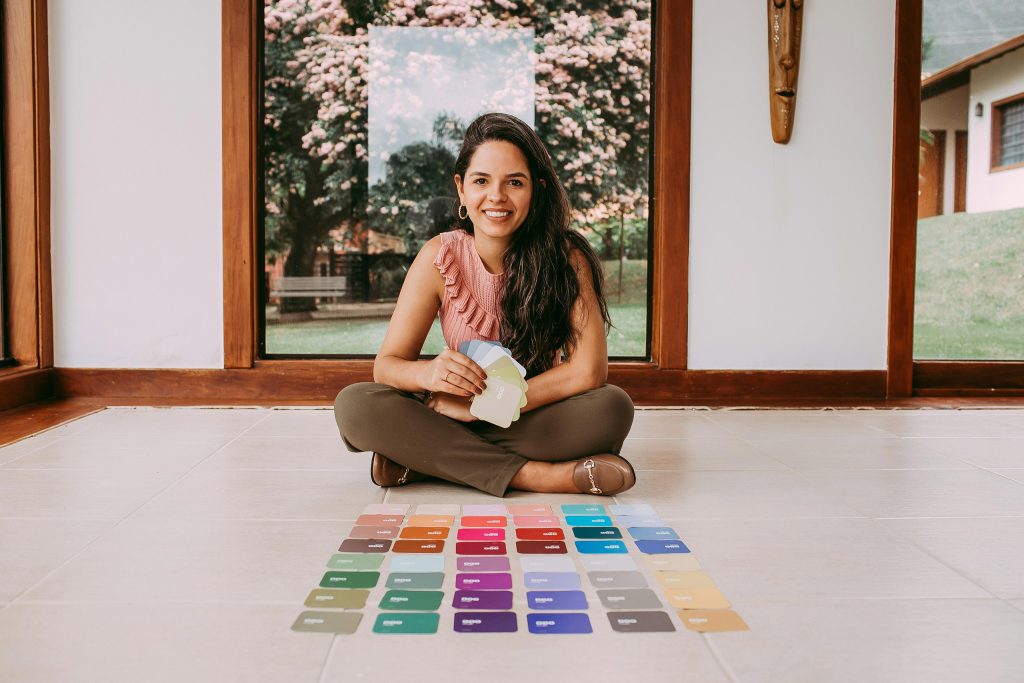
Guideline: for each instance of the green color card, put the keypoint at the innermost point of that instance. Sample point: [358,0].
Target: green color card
[326,598]
[415,580]
[412,600]
[350,580]
[355,561]
[399,622]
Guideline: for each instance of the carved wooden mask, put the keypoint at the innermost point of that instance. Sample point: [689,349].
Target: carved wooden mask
[785,25]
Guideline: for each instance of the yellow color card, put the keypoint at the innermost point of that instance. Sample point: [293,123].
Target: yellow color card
[712,620]
[684,580]
[697,598]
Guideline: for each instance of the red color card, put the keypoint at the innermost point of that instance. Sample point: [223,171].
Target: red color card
[380,520]
[480,548]
[485,521]
[541,547]
[535,520]
[480,534]
[404,546]
[540,534]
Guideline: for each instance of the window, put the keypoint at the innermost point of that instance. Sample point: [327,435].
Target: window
[1008,132]
[363,109]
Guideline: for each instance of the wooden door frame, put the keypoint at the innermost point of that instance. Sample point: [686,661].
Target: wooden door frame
[27,204]
[907,377]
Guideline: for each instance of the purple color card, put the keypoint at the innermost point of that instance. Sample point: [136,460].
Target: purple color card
[557,599]
[552,580]
[484,510]
[662,547]
[483,564]
[484,581]
[485,622]
[482,600]
[553,622]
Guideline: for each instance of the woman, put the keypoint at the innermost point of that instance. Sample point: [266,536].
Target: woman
[512,270]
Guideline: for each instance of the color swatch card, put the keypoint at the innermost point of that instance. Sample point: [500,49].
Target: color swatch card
[505,394]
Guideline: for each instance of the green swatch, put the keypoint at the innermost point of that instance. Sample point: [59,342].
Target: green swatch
[328,622]
[415,580]
[355,561]
[414,600]
[349,580]
[337,599]
[423,622]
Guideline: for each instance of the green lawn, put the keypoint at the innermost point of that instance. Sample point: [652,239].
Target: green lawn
[969,298]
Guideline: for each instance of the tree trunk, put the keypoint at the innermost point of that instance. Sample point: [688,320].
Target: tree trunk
[299,263]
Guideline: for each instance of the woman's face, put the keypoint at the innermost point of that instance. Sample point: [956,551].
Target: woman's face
[497,188]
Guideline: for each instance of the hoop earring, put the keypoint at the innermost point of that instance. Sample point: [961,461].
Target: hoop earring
[459,212]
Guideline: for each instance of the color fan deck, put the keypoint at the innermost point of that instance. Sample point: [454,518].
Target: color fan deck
[548,569]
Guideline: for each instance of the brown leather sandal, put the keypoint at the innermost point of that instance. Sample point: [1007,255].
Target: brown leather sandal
[388,473]
[603,475]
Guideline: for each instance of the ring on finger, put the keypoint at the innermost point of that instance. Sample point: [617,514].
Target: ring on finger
[446,375]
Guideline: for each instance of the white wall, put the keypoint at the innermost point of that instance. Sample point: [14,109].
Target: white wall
[789,244]
[987,191]
[136,183]
[947,112]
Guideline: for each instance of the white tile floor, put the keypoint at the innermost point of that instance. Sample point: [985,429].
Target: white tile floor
[179,544]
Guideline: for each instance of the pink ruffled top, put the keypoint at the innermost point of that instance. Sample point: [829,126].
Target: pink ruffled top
[472,294]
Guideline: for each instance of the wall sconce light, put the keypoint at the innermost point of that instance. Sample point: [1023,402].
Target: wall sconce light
[979,109]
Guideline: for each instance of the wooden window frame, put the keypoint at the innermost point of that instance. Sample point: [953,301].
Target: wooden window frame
[995,161]
[908,377]
[27,204]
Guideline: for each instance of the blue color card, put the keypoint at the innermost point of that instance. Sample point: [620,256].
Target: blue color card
[602,547]
[636,509]
[596,532]
[417,563]
[639,520]
[661,547]
[556,599]
[653,533]
[485,622]
[590,509]
[588,520]
[557,581]
[553,622]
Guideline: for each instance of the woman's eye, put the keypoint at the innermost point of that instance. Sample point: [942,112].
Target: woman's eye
[517,183]
[479,181]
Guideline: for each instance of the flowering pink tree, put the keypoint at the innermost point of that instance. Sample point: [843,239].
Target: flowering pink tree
[591,98]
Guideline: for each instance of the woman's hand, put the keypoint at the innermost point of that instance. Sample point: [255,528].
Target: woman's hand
[454,407]
[451,372]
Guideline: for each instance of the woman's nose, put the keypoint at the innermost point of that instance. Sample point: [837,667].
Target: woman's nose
[496,192]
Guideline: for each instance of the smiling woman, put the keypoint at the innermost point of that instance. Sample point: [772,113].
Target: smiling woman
[365,106]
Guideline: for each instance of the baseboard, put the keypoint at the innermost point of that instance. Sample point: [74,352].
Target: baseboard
[19,387]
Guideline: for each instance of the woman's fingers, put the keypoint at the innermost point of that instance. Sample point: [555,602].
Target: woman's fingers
[461,385]
[472,372]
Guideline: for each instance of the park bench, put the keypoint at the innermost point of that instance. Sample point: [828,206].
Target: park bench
[309,287]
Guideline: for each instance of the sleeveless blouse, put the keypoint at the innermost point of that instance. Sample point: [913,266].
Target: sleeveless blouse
[472,295]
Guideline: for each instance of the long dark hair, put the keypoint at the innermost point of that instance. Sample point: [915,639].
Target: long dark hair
[541,285]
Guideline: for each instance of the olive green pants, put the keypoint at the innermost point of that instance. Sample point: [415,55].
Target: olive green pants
[397,424]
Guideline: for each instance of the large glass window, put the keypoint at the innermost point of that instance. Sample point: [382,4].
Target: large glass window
[364,106]
[969,295]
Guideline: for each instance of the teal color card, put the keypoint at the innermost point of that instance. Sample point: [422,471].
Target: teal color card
[589,509]
[588,520]
[601,547]
[400,622]
[596,532]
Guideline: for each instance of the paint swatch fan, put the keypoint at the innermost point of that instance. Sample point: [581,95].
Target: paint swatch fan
[505,394]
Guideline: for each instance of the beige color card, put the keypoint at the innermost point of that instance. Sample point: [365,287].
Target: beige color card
[697,598]
[328,622]
[672,562]
[712,620]
[349,598]
[431,520]
[684,580]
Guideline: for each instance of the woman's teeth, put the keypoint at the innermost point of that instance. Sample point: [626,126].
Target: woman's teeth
[497,214]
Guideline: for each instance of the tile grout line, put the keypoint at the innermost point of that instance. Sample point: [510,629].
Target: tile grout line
[327,659]
[31,452]
[724,665]
[128,516]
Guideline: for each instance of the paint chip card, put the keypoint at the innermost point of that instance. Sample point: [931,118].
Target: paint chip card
[326,598]
[638,520]
[438,509]
[541,548]
[470,599]
[328,622]
[601,547]
[607,563]
[684,580]
[485,622]
[415,580]
[594,532]
[483,564]
[547,563]
[586,509]
[712,620]
[529,510]
[662,547]
[431,520]
[678,563]
[535,520]
[481,534]
[552,580]
[617,579]
[632,510]
[540,534]
[556,600]
[588,520]
[407,546]
[386,509]
[417,563]
[484,510]
[373,532]
[349,579]
[640,622]
[653,533]
[483,581]
[485,521]
[380,520]
[420,601]
[555,622]
[629,598]
[364,545]
[355,561]
[480,547]
[697,598]
[414,622]
[424,532]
